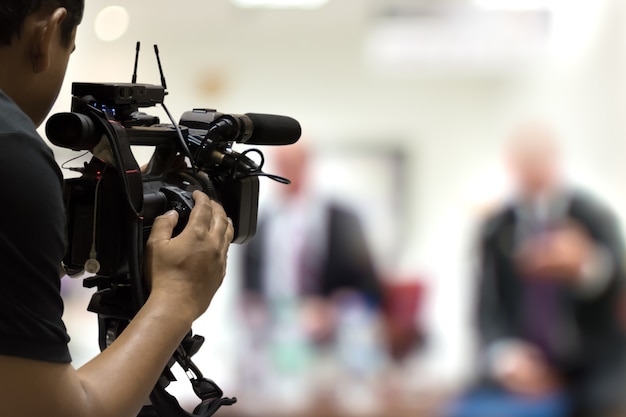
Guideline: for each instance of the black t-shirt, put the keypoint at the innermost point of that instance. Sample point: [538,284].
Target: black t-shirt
[32,242]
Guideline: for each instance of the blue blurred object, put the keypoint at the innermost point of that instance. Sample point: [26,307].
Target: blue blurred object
[358,346]
[497,402]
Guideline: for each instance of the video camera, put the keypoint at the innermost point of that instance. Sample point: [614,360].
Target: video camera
[111,207]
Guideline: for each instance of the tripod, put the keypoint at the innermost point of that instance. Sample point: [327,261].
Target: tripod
[113,304]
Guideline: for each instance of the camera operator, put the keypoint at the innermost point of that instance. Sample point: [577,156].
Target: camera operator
[36,40]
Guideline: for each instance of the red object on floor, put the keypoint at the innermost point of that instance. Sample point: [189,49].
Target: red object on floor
[402,307]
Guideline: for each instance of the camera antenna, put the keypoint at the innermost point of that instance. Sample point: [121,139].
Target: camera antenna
[137,48]
[156,52]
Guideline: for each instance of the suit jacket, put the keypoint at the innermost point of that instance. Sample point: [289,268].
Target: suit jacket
[346,265]
[595,371]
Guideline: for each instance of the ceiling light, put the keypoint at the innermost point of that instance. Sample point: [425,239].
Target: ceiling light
[111,23]
[279,4]
[515,5]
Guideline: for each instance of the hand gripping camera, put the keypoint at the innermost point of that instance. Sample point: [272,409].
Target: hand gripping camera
[111,207]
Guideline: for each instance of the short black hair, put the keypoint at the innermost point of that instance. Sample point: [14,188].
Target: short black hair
[13,14]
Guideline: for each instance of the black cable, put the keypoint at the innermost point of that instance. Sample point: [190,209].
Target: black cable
[183,144]
[260,154]
[258,172]
[72,160]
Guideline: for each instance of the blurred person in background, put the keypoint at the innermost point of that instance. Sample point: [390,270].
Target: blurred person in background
[551,277]
[309,282]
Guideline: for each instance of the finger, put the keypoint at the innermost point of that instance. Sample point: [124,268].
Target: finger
[219,222]
[163,226]
[201,214]
[222,228]
[200,196]
[230,231]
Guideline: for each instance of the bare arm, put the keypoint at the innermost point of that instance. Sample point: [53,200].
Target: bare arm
[185,274]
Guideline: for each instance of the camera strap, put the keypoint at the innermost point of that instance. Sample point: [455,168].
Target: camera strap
[129,169]
[117,138]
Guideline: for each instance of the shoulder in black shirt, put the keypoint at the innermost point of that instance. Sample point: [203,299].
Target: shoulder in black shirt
[32,236]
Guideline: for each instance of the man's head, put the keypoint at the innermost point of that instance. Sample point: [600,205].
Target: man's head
[534,157]
[292,162]
[13,14]
[36,40]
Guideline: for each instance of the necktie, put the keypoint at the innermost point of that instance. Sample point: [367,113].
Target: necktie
[541,305]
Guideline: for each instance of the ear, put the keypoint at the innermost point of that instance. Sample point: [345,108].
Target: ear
[47,32]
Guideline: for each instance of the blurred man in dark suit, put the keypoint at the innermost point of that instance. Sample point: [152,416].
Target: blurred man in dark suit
[306,274]
[551,278]
[326,241]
